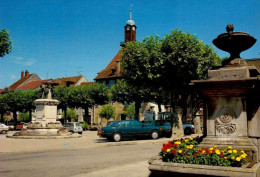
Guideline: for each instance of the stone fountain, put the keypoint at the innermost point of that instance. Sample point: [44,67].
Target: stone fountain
[45,125]
[232,110]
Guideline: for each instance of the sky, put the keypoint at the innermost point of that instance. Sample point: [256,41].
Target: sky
[62,38]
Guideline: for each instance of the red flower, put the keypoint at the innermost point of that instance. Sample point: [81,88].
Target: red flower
[221,154]
[175,146]
[195,155]
[199,151]
[174,152]
[207,150]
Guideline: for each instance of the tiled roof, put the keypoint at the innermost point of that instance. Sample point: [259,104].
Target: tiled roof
[19,82]
[2,90]
[87,83]
[32,85]
[62,81]
[108,72]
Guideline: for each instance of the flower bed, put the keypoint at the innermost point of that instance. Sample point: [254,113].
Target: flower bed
[187,151]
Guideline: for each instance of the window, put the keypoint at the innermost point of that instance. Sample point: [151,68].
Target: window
[111,83]
[125,124]
[136,124]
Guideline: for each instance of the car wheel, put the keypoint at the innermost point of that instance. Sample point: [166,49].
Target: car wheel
[80,132]
[116,137]
[4,132]
[187,131]
[155,134]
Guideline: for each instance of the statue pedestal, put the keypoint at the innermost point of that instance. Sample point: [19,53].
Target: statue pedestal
[46,111]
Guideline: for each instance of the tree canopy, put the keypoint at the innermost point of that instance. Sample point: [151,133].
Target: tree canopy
[5,43]
[167,65]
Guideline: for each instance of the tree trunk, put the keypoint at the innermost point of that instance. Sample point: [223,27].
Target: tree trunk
[159,107]
[15,117]
[2,117]
[65,114]
[177,129]
[137,107]
[30,115]
[86,119]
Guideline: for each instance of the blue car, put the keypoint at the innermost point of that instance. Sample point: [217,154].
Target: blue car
[129,128]
[166,127]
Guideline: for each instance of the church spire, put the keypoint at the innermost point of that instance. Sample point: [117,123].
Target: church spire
[130,18]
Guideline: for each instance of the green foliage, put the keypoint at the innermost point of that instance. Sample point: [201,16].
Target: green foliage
[107,111]
[130,110]
[61,93]
[187,151]
[3,104]
[85,125]
[165,67]
[5,43]
[24,116]
[71,115]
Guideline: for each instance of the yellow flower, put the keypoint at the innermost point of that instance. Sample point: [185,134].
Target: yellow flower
[225,158]
[186,140]
[191,138]
[233,157]
[177,142]
[215,146]
[218,152]
[191,146]
[230,151]
[211,148]
[229,147]
[243,156]
[238,159]
[168,150]
[235,151]
[203,151]
[243,152]
[180,151]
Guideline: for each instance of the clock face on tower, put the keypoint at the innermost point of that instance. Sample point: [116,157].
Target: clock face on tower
[128,28]
[133,28]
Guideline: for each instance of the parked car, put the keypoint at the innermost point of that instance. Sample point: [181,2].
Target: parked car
[93,126]
[164,125]
[10,126]
[187,128]
[20,126]
[3,128]
[129,128]
[74,127]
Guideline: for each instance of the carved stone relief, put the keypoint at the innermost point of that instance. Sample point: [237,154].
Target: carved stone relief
[224,122]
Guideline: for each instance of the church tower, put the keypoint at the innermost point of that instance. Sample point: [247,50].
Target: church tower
[130,29]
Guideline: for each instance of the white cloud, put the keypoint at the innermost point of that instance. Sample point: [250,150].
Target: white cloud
[13,76]
[24,61]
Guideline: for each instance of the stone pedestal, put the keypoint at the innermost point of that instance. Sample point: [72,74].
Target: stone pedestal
[46,111]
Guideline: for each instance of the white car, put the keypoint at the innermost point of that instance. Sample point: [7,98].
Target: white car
[74,127]
[3,128]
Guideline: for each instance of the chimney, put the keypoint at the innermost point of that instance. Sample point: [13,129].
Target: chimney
[22,74]
[26,73]
[118,67]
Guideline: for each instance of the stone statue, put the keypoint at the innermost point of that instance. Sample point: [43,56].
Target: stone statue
[47,91]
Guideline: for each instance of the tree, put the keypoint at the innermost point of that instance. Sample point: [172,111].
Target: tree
[3,106]
[29,96]
[168,65]
[5,43]
[87,96]
[61,93]
[15,101]
[71,114]
[126,93]
[129,111]
[107,111]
